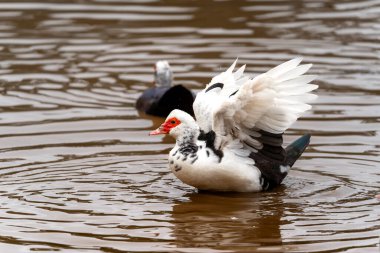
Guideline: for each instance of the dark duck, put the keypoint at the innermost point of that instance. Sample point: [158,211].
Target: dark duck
[164,97]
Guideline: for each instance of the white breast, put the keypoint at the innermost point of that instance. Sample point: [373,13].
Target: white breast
[204,171]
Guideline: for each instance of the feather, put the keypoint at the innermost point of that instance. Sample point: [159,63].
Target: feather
[239,73]
[298,81]
[284,67]
[272,101]
[232,67]
[293,73]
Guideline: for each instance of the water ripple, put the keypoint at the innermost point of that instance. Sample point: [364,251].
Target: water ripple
[79,172]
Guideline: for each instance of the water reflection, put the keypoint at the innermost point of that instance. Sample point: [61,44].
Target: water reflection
[229,221]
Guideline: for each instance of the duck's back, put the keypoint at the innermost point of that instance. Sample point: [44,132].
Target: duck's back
[160,101]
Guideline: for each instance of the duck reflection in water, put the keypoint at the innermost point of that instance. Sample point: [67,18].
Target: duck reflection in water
[224,220]
[164,97]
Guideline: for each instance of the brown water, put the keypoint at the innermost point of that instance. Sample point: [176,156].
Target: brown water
[79,173]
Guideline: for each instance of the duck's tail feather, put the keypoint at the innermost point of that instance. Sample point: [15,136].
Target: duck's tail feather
[296,148]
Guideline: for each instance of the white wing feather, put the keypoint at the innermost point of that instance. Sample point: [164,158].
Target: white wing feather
[206,102]
[272,101]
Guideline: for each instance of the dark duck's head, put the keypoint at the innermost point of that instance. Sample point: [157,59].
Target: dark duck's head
[164,97]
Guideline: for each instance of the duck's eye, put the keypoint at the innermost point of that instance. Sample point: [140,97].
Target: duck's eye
[172,122]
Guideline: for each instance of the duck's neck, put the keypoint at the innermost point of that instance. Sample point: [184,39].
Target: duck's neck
[163,77]
[186,142]
[188,136]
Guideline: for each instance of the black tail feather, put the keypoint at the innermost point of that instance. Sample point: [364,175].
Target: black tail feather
[271,160]
[296,148]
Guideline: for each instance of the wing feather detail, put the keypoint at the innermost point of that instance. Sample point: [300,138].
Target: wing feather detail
[271,102]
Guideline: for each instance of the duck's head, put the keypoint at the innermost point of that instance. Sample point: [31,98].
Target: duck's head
[163,75]
[178,123]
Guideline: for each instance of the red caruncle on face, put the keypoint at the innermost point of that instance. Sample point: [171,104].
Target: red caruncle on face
[166,126]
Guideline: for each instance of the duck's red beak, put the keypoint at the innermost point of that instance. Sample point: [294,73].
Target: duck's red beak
[166,126]
[160,130]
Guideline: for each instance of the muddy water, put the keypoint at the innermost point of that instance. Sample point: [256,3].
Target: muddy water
[79,173]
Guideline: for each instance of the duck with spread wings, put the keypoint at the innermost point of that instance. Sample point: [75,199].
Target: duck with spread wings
[235,143]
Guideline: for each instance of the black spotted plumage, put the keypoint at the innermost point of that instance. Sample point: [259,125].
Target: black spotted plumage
[233,93]
[194,160]
[188,149]
[177,168]
[209,138]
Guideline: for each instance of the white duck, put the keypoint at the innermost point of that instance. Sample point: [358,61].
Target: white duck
[235,142]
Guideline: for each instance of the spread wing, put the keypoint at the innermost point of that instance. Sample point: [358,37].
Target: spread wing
[234,106]
[218,90]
